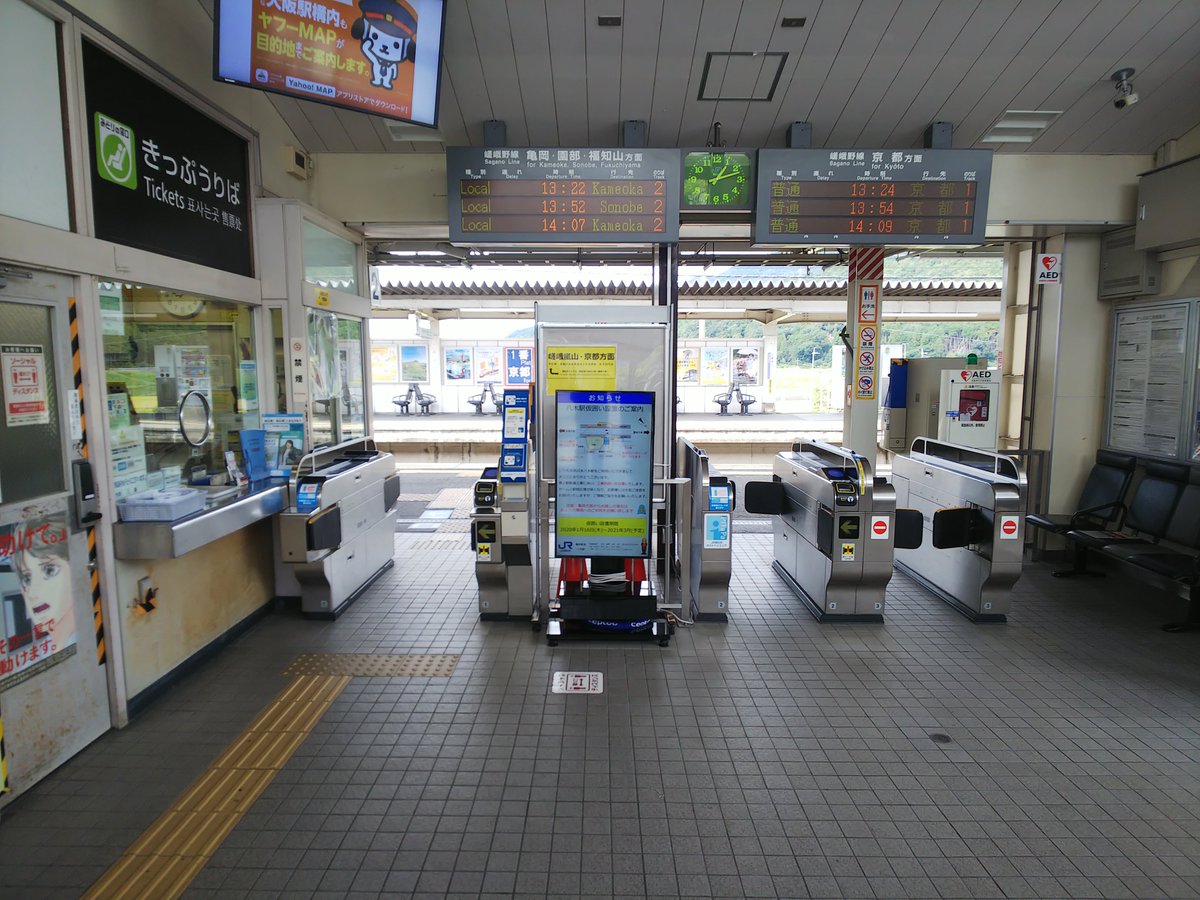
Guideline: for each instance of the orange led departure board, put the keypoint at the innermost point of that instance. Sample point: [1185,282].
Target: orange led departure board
[562,195]
[921,197]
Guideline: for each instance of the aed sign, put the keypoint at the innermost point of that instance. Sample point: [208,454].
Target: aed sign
[1049,268]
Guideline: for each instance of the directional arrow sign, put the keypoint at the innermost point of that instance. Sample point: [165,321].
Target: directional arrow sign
[848,527]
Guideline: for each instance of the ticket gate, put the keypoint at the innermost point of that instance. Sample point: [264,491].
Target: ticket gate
[972,503]
[500,544]
[836,527]
[705,506]
[337,536]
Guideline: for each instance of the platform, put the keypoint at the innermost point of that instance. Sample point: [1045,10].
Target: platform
[468,438]
[1057,755]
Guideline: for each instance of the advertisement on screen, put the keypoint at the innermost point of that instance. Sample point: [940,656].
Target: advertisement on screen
[605,464]
[376,56]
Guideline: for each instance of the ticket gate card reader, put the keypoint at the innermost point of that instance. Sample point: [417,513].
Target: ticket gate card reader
[336,538]
[836,527]
[500,544]
[973,506]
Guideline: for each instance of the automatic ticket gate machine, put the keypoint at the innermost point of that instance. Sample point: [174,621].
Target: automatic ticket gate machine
[500,533]
[337,536]
[705,505]
[500,543]
[973,507]
[836,526]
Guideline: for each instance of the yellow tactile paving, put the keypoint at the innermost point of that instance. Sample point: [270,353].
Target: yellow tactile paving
[376,665]
[162,862]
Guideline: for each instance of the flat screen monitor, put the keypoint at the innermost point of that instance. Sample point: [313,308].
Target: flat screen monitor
[382,57]
[605,473]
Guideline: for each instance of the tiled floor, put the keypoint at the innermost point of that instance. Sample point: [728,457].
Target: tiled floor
[768,757]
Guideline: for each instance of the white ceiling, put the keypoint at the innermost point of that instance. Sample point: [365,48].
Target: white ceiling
[865,73]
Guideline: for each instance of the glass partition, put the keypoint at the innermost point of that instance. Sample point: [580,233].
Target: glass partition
[279,358]
[159,346]
[329,260]
[335,360]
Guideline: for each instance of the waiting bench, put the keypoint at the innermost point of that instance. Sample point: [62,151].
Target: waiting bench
[488,392]
[1158,539]
[415,394]
[735,393]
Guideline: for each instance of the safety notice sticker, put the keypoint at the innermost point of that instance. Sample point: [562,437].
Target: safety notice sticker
[578,683]
[848,552]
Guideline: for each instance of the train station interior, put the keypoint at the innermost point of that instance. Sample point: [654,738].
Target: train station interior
[600,449]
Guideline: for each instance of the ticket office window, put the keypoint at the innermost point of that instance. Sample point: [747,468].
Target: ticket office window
[160,345]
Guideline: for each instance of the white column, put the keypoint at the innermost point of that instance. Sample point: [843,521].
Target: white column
[770,361]
[1072,372]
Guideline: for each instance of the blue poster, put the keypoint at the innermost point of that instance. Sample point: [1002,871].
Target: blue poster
[605,465]
[518,365]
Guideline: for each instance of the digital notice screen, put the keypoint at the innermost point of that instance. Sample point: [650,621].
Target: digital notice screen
[382,57]
[605,467]
[562,196]
[920,197]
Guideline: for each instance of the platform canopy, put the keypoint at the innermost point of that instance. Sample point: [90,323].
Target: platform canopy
[779,300]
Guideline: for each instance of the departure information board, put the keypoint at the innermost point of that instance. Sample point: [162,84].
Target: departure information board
[921,197]
[529,195]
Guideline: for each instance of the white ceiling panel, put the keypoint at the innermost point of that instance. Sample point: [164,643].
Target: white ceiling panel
[718,24]
[568,66]
[996,76]
[494,45]
[959,53]
[676,54]
[890,54]
[639,57]
[828,30]
[864,73]
[530,45]
[757,123]
[462,63]
[450,119]
[914,74]
[861,42]
[604,72]
[292,112]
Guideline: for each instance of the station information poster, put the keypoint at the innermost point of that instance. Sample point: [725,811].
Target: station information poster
[1149,380]
[605,459]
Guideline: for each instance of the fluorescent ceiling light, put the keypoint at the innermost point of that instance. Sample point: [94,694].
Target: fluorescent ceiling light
[1020,126]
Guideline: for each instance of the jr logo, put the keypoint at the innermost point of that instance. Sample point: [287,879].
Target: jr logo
[565,546]
[115,159]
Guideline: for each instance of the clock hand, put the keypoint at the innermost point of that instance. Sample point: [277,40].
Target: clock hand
[721,177]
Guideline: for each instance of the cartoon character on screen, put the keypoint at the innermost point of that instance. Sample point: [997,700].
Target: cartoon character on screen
[387,30]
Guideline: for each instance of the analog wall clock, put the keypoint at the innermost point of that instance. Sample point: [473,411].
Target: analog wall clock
[182,306]
[717,179]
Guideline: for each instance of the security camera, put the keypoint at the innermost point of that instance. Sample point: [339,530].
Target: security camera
[1124,100]
[1126,95]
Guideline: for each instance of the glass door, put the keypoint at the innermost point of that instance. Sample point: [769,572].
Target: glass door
[53,689]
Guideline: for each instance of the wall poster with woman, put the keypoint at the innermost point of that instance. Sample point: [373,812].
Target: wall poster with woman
[37,609]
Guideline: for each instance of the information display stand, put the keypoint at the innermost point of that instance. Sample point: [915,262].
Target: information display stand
[601,467]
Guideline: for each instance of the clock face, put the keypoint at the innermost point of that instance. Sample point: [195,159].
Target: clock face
[182,306]
[716,179]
